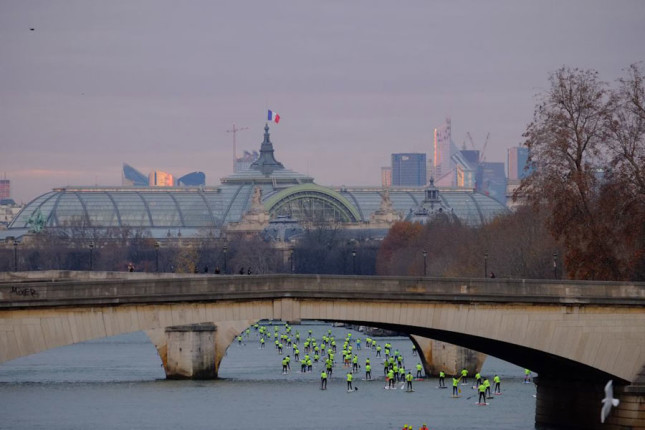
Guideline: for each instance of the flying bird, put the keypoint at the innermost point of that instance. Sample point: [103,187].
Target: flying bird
[608,401]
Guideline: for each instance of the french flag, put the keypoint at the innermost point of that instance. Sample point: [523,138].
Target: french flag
[273,116]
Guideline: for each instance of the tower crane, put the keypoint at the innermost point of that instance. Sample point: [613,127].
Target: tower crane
[234,130]
[482,152]
[470,138]
[482,155]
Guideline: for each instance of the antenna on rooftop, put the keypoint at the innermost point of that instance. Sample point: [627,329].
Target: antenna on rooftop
[234,130]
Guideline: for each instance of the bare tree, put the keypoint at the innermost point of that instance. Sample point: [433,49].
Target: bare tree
[566,143]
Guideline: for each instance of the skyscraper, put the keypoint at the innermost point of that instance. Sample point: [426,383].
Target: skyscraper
[443,150]
[192,179]
[386,177]
[5,189]
[491,181]
[409,169]
[466,162]
[133,177]
[517,159]
[160,179]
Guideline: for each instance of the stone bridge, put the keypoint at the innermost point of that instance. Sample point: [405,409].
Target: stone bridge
[575,335]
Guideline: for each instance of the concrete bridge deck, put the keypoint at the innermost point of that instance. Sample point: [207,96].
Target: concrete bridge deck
[582,333]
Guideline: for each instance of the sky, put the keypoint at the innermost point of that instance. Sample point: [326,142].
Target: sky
[86,85]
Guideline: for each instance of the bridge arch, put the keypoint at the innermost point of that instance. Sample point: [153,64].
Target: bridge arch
[512,335]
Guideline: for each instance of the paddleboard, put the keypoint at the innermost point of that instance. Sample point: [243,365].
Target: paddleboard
[482,404]
[418,379]
[489,397]
[442,387]
[409,391]
[498,394]
[455,397]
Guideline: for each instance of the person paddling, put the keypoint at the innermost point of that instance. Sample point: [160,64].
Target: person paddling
[323,380]
[482,394]
[455,386]
[497,382]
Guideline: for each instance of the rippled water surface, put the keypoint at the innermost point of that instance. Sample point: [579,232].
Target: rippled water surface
[118,383]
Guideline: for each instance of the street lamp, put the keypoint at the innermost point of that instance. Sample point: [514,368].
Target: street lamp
[15,255]
[91,255]
[485,264]
[354,261]
[157,256]
[555,265]
[225,250]
[425,264]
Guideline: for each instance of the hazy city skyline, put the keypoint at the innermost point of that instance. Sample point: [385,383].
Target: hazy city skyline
[87,85]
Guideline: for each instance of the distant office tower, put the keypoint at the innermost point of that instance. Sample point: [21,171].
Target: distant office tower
[386,176]
[466,162]
[491,181]
[132,177]
[160,179]
[245,161]
[443,150]
[409,169]
[193,179]
[517,160]
[5,189]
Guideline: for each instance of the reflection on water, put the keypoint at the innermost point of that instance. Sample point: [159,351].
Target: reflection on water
[118,383]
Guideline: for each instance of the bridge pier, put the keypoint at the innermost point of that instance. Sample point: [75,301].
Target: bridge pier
[191,352]
[437,356]
[195,351]
[573,404]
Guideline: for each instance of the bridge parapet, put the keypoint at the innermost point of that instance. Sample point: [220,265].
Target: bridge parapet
[162,289]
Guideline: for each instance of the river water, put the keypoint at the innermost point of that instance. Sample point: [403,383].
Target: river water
[118,383]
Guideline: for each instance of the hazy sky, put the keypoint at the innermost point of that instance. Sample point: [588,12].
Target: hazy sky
[156,83]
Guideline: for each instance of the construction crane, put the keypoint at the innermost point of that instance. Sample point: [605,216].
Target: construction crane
[234,130]
[482,155]
[482,152]
[470,138]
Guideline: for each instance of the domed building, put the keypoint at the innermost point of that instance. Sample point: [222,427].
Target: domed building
[253,200]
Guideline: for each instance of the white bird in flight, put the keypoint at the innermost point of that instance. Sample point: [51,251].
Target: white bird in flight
[608,401]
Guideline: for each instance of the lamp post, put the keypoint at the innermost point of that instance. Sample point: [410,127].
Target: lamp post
[485,264]
[15,255]
[91,255]
[354,261]
[291,262]
[555,265]
[157,256]
[425,263]
[225,250]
